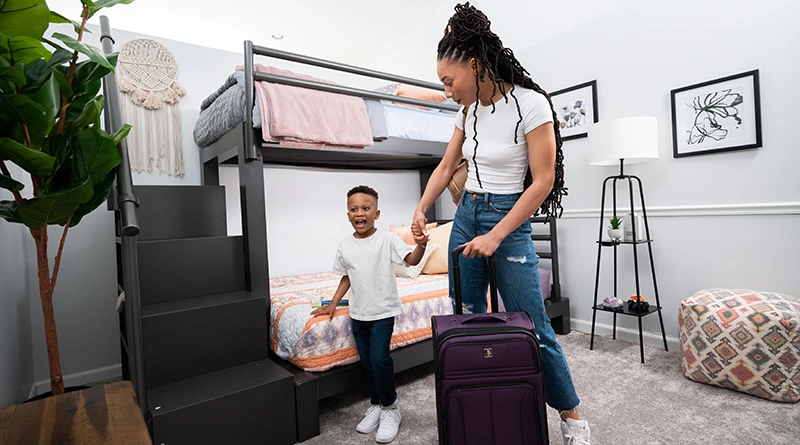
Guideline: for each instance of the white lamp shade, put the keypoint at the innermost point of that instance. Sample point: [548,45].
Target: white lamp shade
[634,139]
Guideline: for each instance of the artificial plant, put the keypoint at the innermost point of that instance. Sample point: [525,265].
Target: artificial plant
[50,113]
[614,223]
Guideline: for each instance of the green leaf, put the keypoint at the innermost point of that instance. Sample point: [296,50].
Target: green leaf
[99,196]
[28,18]
[90,114]
[56,146]
[82,95]
[39,71]
[95,155]
[89,51]
[20,108]
[12,75]
[8,211]
[55,208]
[10,183]
[100,4]
[58,18]
[49,98]
[121,134]
[90,71]
[32,161]
[21,49]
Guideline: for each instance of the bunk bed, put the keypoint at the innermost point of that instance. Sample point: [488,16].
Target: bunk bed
[243,144]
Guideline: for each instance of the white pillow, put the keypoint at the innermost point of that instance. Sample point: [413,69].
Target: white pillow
[407,271]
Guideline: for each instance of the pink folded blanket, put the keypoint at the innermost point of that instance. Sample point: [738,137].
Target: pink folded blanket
[302,117]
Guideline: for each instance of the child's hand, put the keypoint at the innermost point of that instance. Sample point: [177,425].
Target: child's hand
[419,236]
[327,310]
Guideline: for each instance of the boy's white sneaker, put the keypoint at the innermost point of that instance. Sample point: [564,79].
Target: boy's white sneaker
[370,422]
[575,432]
[389,425]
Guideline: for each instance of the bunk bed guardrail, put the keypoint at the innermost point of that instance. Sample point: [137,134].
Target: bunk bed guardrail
[123,199]
[250,75]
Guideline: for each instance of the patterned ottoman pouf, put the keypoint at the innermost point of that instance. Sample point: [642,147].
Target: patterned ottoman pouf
[744,340]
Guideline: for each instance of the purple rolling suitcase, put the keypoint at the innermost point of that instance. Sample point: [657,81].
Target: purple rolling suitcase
[489,385]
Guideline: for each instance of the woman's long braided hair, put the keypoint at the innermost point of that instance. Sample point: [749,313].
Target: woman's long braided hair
[468,35]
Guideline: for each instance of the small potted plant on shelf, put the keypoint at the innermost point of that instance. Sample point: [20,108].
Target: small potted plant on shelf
[615,228]
[50,115]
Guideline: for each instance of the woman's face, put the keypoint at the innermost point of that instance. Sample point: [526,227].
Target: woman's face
[458,79]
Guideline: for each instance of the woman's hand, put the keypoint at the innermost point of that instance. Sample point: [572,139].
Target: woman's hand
[419,235]
[482,246]
[420,220]
[327,310]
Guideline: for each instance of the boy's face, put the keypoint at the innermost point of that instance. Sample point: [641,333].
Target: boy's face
[362,211]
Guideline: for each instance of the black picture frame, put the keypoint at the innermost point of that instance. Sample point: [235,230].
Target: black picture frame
[716,116]
[565,101]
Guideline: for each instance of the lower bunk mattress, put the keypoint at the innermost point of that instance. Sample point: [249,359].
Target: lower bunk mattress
[317,344]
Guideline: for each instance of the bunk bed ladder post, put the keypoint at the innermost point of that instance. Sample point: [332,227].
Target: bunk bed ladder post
[251,187]
[125,201]
[556,288]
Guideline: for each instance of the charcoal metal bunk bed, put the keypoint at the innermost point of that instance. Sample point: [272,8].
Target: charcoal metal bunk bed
[244,146]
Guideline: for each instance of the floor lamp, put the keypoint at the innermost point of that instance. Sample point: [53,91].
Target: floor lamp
[629,140]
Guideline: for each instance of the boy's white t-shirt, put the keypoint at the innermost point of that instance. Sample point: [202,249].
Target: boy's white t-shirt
[369,264]
[502,163]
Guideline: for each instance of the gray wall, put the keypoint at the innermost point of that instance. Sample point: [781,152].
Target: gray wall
[16,362]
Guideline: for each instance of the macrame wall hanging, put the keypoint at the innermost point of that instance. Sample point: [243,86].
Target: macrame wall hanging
[148,78]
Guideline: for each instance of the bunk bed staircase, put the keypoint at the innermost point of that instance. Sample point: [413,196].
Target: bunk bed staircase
[193,328]
[204,338]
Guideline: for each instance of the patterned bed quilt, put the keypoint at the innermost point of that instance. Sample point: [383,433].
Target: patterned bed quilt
[317,344]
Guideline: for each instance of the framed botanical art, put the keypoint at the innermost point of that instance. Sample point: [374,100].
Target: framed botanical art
[576,109]
[716,116]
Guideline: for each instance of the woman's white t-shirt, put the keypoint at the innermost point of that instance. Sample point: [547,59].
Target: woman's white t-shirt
[502,164]
[368,262]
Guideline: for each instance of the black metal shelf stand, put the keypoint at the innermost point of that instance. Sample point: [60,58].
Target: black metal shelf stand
[615,244]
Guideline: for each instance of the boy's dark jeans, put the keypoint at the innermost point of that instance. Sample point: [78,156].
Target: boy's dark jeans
[372,341]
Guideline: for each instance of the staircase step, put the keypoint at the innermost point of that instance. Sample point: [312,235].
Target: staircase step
[167,212]
[185,268]
[195,336]
[251,403]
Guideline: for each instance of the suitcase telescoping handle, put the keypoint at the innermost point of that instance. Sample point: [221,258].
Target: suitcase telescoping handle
[457,280]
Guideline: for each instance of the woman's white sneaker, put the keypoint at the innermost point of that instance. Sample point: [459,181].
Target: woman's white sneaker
[575,432]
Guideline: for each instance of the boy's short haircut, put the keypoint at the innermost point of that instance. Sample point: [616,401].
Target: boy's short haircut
[363,189]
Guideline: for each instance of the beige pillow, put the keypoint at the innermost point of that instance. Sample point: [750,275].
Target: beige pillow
[440,236]
[404,270]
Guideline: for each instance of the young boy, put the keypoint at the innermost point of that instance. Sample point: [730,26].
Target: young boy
[364,259]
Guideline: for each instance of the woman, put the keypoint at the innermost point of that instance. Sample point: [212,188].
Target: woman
[513,148]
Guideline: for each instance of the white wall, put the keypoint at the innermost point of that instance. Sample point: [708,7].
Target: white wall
[86,292]
[16,362]
[637,55]
[307,208]
[85,296]
[725,220]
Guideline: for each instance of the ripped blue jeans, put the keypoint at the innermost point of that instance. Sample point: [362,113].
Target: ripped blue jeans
[517,283]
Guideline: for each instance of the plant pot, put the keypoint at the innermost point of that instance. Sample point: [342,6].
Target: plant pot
[47,394]
[615,234]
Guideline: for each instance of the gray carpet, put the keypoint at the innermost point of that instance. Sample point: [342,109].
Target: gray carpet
[624,401]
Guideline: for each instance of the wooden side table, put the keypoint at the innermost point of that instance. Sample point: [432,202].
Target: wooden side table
[104,414]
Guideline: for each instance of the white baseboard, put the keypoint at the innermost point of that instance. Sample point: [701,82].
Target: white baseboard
[768,208]
[79,378]
[632,335]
